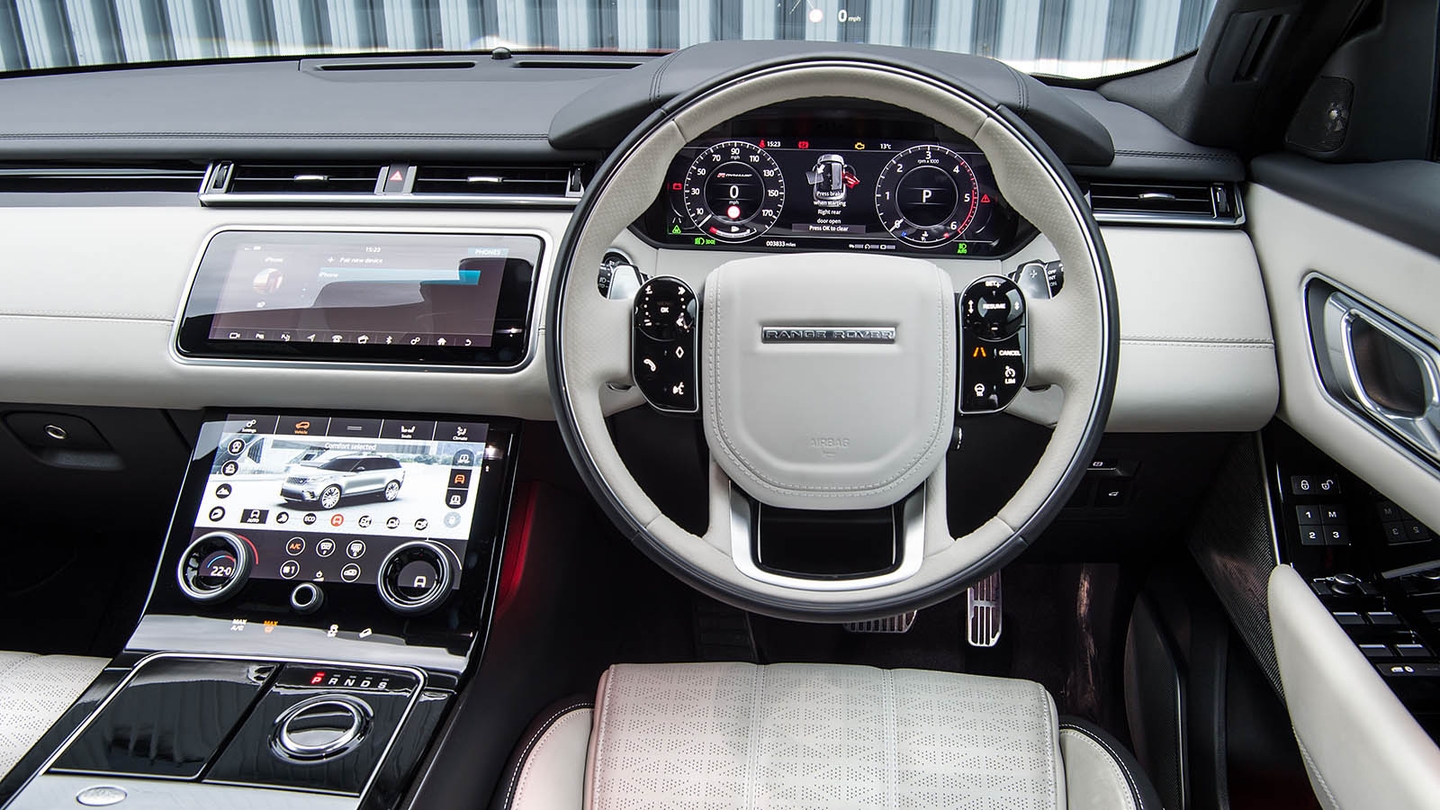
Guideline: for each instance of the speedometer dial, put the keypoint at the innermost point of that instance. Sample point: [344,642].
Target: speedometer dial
[926,196]
[734,191]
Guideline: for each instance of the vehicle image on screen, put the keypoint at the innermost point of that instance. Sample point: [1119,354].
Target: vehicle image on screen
[327,483]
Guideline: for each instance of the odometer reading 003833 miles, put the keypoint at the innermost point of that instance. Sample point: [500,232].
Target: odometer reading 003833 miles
[926,195]
[734,191]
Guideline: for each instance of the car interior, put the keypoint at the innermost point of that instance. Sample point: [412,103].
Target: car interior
[540,404]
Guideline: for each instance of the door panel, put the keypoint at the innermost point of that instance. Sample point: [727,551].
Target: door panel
[1296,241]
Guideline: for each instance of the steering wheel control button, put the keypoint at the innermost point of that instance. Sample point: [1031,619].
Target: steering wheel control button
[307,598]
[320,728]
[415,578]
[993,308]
[101,796]
[665,345]
[992,344]
[214,567]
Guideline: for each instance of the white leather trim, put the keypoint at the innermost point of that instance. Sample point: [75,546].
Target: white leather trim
[552,776]
[89,298]
[34,691]
[1362,747]
[1095,779]
[821,736]
[1293,240]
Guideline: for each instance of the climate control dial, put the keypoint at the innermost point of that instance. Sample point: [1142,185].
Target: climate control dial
[215,566]
[415,578]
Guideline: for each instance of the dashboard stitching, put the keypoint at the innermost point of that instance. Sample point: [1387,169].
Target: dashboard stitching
[782,487]
[1020,86]
[655,80]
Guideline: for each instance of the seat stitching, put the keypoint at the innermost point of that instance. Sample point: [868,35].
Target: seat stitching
[538,744]
[892,742]
[604,723]
[1118,760]
[753,743]
[1052,742]
[531,743]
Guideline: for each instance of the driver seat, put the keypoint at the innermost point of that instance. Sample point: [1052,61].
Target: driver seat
[733,735]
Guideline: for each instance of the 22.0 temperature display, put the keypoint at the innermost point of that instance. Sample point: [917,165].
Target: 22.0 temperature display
[734,191]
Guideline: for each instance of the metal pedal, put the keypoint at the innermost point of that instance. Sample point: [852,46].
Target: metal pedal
[889,624]
[983,621]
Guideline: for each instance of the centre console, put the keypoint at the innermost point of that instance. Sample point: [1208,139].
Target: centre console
[326,581]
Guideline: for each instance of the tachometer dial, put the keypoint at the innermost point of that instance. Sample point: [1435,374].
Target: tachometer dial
[926,196]
[734,191]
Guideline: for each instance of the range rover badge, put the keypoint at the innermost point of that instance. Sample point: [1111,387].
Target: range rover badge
[827,334]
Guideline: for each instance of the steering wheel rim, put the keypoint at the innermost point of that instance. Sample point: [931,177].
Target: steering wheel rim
[1079,244]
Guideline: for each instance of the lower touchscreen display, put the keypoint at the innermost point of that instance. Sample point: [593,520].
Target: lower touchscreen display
[325,498]
[420,297]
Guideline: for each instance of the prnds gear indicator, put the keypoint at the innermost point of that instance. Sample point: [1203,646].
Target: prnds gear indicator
[926,196]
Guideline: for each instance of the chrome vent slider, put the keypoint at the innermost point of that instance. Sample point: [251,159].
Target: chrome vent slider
[229,182]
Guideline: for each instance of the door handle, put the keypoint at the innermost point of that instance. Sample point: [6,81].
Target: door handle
[1388,374]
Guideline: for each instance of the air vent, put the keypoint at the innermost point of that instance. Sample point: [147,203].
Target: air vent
[93,179]
[302,178]
[1214,204]
[505,181]
[392,184]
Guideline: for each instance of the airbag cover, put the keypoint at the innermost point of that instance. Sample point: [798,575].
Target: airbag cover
[849,401]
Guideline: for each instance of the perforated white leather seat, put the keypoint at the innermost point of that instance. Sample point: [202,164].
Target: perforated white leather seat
[816,736]
[35,690]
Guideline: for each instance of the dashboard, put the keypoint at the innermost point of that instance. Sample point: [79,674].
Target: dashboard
[797,177]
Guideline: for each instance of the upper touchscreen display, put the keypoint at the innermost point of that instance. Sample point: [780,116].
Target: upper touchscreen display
[312,295]
[321,497]
[443,289]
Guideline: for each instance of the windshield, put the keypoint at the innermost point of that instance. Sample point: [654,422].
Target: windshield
[1076,38]
[339,464]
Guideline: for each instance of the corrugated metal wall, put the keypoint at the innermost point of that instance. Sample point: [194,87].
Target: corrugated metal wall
[1071,37]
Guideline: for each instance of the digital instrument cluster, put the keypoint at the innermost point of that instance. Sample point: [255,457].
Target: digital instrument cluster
[834,192]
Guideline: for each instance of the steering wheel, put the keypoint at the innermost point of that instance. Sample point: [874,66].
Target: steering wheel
[829,381]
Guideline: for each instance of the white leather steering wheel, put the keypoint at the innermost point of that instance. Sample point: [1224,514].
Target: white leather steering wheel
[890,407]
